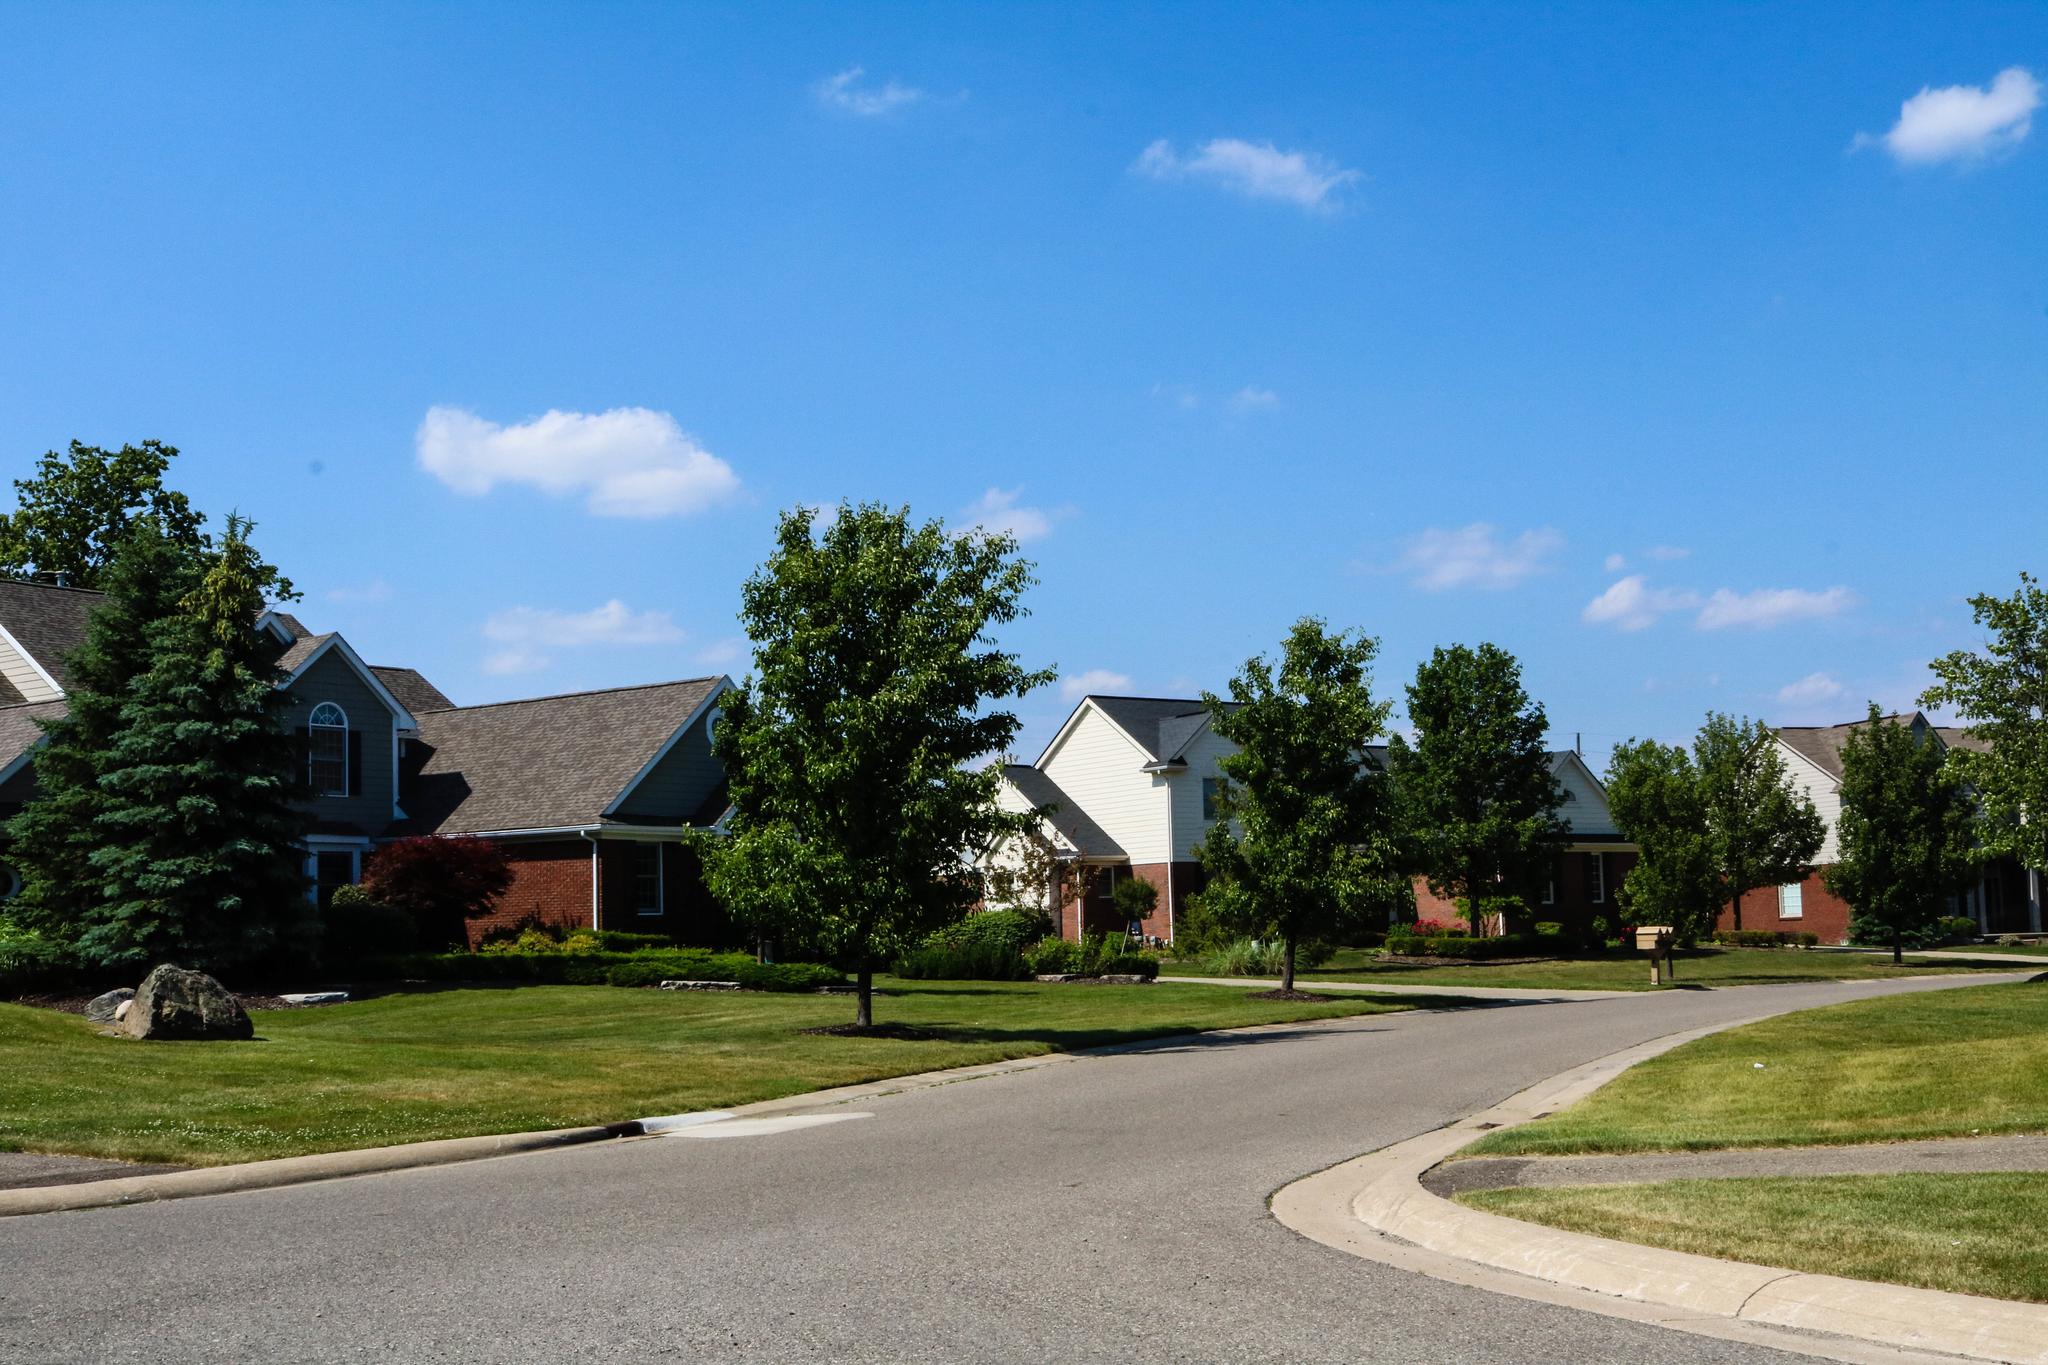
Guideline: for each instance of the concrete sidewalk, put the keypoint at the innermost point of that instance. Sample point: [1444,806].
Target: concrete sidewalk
[1506,995]
[1940,1156]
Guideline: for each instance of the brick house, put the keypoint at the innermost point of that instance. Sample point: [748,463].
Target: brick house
[2004,899]
[1131,783]
[589,794]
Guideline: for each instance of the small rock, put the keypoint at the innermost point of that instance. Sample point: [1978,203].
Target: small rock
[700,985]
[175,1003]
[105,1009]
[315,998]
[121,1010]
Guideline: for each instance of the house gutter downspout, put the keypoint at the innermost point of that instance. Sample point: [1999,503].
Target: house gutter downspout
[591,835]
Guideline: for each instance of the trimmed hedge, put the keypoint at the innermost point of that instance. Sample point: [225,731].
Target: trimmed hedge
[648,967]
[1763,938]
[1461,946]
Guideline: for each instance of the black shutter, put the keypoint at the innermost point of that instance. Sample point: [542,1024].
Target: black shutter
[355,763]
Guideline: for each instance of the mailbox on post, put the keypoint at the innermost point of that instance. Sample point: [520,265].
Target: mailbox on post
[1655,939]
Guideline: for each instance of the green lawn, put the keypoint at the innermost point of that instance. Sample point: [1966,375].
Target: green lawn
[1625,971]
[1972,1234]
[457,1063]
[1940,1064]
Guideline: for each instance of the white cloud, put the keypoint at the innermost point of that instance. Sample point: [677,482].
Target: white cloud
[1667,552]
[1614,563]
[845,93]
[1811,689]
[996,511]
[1180,395]
[1632,604]
[1097,680]
[1475,556]
[1252,399]
[1962,122]
[630,462]
[1258,170]
[527,635]
[723,653]
[376,590]
[1766,607]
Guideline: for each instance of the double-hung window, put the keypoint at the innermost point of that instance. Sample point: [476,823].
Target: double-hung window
[1209,785]
[1791,901]
[647,878]
[327,750]
[1596,879]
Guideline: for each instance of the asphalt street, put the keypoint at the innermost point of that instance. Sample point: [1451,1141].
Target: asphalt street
[1113,1209]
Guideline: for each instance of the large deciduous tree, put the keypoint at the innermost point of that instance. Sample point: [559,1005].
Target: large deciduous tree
[855,807]
[1904,833]
[1305,842]
[54,837]
[1765,832]
[73,512]
[2001,694]
[196,859]
[1476,789]
[1655,794]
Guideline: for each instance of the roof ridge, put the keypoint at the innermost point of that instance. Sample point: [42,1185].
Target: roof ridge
[50,587]
[563,696]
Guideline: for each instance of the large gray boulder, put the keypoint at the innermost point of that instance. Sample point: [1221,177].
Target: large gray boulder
[105,1009]
[175,1003]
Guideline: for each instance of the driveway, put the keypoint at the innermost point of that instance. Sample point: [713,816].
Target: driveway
[1110,1210]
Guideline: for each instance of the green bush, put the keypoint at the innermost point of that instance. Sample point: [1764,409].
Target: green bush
[646,967]
[30,962]
[1959,929]
[1052,956]
[358,927]
[988,960]
[1262,957]
[1763,938]
[618,941]
[1460,946]
[1549,929]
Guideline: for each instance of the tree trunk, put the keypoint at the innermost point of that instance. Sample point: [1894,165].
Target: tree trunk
[1287,966]
[864,1012]
[1735,908]
[1472,901]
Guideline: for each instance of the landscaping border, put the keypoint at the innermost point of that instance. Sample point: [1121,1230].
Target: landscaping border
[1360,1205]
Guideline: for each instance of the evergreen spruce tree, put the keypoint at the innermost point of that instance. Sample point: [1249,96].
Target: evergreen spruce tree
[53,838]
[196,838]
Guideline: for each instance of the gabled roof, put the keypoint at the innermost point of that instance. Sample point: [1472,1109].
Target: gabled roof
[1073,823]
[1957,737]
[47,621]
[413,691]
[19,732]
[548,763]
[1821,745]
[1162,727]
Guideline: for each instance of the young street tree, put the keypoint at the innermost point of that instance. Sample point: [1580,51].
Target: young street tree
[195,859]
[848,752]
[1655,794]
[72,514]
[54,837]
[1476,791]
[1904,833]
[1764,832]
[2001,694]
[1305,842]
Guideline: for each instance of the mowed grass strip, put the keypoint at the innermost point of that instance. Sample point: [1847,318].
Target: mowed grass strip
[1620,971]
[458,1063]
[2022,949]
[1969,1234]
[1952,1063]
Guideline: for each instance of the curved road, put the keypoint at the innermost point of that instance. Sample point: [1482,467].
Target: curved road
[1113,1209]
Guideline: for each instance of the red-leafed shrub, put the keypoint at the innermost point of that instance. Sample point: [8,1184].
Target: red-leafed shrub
[439,882]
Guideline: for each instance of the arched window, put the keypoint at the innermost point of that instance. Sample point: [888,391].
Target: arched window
[10,882]
[711,726]
[327,750]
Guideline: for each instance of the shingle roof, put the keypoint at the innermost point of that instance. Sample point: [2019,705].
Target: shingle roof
[1956,737]
[1822,744]
[292,623]
[547,763]
[18,729]
[298,651]
[47,621]
[413,691]
[1073,823]
[1163,726]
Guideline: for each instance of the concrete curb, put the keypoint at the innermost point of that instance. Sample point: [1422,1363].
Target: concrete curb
[1355,1206]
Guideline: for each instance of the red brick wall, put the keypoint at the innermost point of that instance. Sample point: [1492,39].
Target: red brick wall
[1825,913]
[550,883]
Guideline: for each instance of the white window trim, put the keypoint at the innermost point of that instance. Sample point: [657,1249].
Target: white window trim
[660,905]
[10,882]
[1550,893]
[1798,900]
[1597,888]
[344,727]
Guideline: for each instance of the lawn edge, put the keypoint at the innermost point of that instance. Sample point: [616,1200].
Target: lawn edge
[1358,1206]
[279,1172]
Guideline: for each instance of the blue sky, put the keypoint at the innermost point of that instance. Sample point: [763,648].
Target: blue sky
[1696,355]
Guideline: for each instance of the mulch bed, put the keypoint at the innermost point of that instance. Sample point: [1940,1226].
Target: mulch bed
[1463,961]
[902,1033]
[1297,997]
